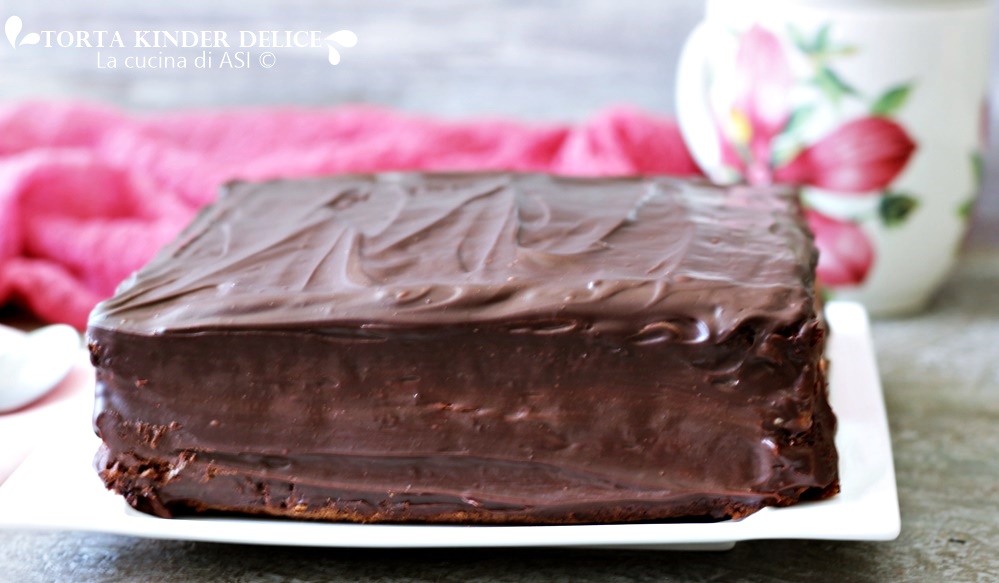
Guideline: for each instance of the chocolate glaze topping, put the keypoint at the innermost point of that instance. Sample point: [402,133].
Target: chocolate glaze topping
[438,249]
[484,348]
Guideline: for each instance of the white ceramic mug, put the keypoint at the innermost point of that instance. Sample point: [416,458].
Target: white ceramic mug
[876,108]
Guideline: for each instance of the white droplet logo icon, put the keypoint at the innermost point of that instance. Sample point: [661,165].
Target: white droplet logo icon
[344,38]
[13,28]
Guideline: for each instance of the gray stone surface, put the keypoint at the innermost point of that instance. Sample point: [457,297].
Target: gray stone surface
[941,378]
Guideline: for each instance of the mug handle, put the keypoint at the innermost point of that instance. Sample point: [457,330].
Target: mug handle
[693,111]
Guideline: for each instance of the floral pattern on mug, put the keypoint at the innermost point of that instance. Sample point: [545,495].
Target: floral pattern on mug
[761,142]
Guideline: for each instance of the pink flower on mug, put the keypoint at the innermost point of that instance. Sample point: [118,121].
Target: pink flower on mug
[762,108]
[863,155]
[845,253]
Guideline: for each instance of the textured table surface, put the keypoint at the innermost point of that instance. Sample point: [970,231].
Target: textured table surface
[941,378]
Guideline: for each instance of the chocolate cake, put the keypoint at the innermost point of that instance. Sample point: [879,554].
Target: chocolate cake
[476,348]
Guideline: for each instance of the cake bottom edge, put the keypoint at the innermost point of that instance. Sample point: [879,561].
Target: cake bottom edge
[272,498]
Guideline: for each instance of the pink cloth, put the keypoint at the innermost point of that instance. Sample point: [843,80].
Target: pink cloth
[88,194]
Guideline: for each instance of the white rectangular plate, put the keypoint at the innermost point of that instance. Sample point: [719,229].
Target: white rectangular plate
[56,488]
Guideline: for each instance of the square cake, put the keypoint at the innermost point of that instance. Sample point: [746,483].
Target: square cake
[474,348]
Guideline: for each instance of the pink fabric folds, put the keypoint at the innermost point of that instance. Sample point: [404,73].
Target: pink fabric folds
[88,194]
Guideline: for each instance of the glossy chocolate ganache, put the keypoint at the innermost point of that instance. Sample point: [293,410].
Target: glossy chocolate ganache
[482,348]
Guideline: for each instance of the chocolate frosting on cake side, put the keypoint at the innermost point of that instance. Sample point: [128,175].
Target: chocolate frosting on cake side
[481,348]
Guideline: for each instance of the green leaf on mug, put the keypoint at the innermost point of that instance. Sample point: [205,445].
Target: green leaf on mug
[799,39]
[895,207]
[964,209]
[842,51]
[821,44]
[799,117]
[784,150]
[832,85]
[891,101]
[977,169]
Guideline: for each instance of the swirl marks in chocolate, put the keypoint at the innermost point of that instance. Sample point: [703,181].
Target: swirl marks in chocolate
[415,249]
